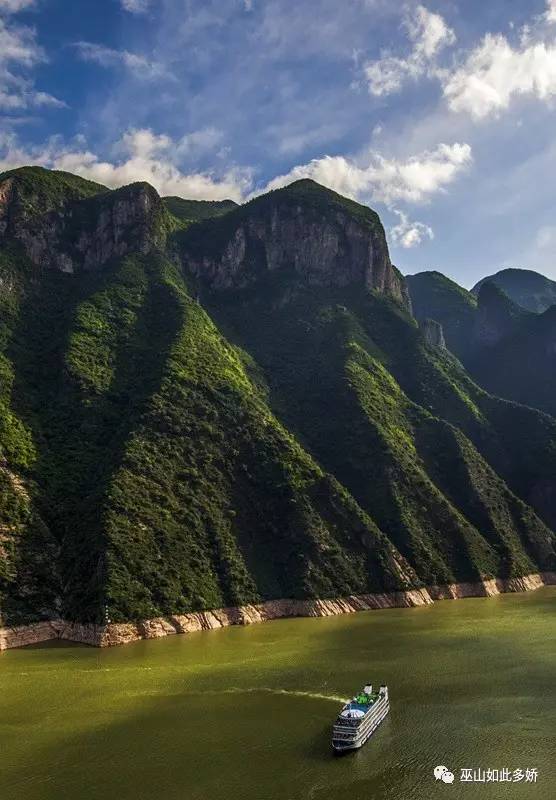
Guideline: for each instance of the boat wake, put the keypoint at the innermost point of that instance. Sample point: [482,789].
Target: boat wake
[292,692]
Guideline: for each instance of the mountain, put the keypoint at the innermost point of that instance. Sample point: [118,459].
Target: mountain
[521,364]
[242,407]
[435,296]
[195,210]
[509,351]
[530,290]
[497,317]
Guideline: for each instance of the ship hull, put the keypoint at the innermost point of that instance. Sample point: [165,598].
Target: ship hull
[362,734]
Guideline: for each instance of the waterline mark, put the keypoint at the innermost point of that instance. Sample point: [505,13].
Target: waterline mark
[480,775]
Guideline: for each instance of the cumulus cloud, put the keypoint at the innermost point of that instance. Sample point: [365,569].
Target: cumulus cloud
[495,72]
[408,233]
[136,6]
[429,35]
[141,155]
[140,66]
[487,77]
[387,180]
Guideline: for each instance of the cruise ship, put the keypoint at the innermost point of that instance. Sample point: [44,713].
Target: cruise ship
[359,718]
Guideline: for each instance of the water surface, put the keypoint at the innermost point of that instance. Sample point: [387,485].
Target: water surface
[245,713]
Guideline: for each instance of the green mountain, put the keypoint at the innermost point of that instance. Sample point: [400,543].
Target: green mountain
[434,296]
[521,365]
[509,351]
[195,210]
[235,409]
[530,290]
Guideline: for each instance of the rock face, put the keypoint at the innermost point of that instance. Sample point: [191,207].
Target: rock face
[83,234]
[6,195]
[124,633]
[270,425]
[305,233]
[433,333]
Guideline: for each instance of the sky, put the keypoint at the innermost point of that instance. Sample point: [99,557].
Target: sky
[439,115]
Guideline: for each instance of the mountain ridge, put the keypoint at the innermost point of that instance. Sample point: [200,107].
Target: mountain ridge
[176,438]
[509,349]
[529,289]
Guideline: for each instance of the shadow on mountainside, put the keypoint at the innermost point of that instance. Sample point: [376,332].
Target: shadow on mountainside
[88,353]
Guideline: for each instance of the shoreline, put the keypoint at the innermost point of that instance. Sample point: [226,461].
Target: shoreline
[114,634]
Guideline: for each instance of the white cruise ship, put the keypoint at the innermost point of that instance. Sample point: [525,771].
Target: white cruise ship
[359,718]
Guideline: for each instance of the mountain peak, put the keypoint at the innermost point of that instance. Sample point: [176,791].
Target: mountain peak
[527,288]
[304,232]
[66,223]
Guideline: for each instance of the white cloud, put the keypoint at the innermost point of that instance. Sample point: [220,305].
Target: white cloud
[429,34]
[19,50]
[18,45]
[13,6]
[550,13]
[495,72]
[140,66]
[143,156]
[415,179]
[491,74]
[136,6]
[408,234]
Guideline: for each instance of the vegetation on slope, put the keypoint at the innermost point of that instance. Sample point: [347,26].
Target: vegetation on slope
[352,377]
[522,365]
[434,296]
[508,350]
[41,190]
[529,289]
[158,456]
[169,484]
[195,210]
[29,586]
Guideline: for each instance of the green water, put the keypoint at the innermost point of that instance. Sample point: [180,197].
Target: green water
[245,713]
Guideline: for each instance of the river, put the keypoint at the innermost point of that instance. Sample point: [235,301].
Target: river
[244,713]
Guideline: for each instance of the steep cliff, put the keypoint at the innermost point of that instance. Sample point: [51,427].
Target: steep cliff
[303,235]
[433,332]
[83,229]
[240,409]
[434,296]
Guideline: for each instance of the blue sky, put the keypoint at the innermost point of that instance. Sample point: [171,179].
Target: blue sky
[440,115]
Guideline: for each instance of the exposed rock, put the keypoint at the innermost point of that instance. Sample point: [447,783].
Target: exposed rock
[432,332]
[85,233]
[322,243]
[127,632]
[6,192]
